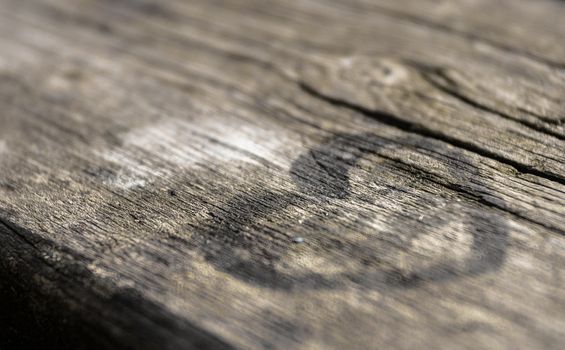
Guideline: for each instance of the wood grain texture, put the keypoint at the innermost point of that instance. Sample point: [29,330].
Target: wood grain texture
[283,174]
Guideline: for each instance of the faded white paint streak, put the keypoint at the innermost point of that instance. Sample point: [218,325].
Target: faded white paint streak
[3,147]
[173,144]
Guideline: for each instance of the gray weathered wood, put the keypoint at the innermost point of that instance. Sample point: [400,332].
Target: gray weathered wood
[283,174]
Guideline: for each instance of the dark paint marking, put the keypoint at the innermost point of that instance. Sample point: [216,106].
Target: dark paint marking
[323,174]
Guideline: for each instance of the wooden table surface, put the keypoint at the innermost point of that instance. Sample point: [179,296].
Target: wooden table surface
[282,174]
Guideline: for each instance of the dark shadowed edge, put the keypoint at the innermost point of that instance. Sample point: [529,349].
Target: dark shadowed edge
[64,306]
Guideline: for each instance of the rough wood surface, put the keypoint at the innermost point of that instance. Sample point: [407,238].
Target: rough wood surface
[283,174]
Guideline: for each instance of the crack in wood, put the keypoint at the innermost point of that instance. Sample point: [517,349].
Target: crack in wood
[422,130]
[438,77]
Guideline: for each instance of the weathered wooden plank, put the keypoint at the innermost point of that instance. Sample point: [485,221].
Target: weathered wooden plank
[522,151]
[523,28]
[159,162]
